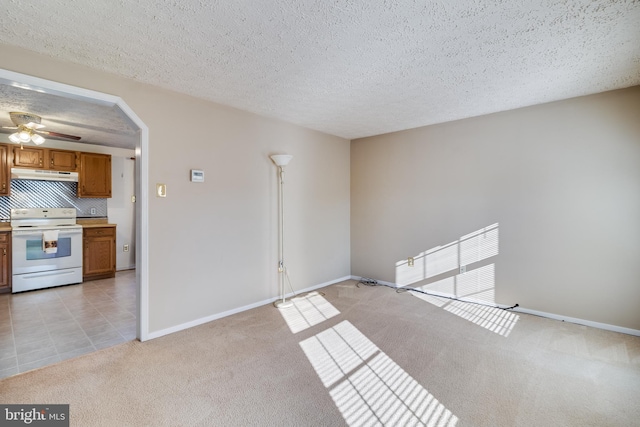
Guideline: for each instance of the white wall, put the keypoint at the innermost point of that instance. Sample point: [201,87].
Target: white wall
[213,246]
[562,180]
[121,209]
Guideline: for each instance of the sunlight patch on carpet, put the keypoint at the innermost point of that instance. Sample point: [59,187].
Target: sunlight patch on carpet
[494,319]
[366,385]
[307,311]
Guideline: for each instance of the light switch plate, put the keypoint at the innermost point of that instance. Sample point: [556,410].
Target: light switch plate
[161,190]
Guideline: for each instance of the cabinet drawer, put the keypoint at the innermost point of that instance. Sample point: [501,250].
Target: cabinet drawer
[4,237]
[99,232]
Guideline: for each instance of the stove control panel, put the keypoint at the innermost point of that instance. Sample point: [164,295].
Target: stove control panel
[37,213]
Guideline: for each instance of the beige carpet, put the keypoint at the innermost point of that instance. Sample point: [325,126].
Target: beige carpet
[359,356]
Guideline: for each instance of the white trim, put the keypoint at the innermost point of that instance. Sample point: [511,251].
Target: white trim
[559,317]
[37,84]
[207,319]
[590,323]
[142,171]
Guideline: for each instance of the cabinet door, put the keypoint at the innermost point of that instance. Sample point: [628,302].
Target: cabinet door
[99,253]
[62,160]
[5,262]
[28,157]
[4,170]
[95,175]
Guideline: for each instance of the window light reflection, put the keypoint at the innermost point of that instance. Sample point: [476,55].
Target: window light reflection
[366,385]
[307,311]
[470,248]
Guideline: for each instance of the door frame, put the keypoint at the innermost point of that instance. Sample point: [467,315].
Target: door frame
[141,175]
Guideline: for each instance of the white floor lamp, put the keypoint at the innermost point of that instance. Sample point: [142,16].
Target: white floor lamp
[281,160]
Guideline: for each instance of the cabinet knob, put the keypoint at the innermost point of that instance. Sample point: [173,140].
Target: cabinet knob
[4,251]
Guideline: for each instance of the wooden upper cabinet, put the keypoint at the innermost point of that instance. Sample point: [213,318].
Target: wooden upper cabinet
[29,157]
[94,170]
[95,175]
[62,160]
[5,170]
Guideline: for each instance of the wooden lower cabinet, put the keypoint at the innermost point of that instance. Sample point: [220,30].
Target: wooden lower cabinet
[5,263]
[98,253]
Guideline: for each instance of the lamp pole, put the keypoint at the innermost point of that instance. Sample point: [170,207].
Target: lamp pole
[281,160]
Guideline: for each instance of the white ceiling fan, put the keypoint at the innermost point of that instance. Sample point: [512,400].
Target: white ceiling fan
[28,128]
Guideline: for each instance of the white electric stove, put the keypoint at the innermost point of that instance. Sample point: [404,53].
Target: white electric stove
[35,268]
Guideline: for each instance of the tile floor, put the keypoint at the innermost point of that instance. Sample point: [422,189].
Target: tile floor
[41,327]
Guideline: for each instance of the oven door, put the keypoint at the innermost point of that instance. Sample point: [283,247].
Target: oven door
[33,268]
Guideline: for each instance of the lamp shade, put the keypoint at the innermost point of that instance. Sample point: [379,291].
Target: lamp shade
[37,139]
[24,136]
[281,159]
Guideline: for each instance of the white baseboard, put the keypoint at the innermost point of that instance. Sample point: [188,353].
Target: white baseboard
[559,317]
[590,323]
[197,322]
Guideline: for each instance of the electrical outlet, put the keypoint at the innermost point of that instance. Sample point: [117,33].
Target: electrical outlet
[410,261]
[125,248]
[93,211]
[463,269]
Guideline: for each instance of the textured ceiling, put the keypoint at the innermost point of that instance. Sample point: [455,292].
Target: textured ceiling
[94,123]
[348,68]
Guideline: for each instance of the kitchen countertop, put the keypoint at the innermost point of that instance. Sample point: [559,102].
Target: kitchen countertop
[5,226]
[94,222]
[96,225]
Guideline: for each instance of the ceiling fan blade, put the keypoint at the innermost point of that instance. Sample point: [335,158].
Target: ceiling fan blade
[34,126]
[58,135]
[9,127]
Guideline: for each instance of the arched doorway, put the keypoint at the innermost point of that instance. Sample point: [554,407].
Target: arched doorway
[37,85]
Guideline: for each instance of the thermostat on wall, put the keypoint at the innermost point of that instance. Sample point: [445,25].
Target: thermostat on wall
[197,175]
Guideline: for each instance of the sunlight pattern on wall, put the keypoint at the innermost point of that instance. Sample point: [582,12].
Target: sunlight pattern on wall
[367,386]
[307,310]
[476,284]
[470,248]
[479,245]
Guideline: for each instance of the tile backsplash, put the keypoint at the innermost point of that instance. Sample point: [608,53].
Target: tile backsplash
[49,194]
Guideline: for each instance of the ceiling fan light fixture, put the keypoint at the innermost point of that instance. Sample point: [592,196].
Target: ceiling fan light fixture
[37,139]
[24,135]
[14,137]
[28,129]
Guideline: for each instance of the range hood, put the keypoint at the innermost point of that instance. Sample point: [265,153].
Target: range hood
[43,175]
